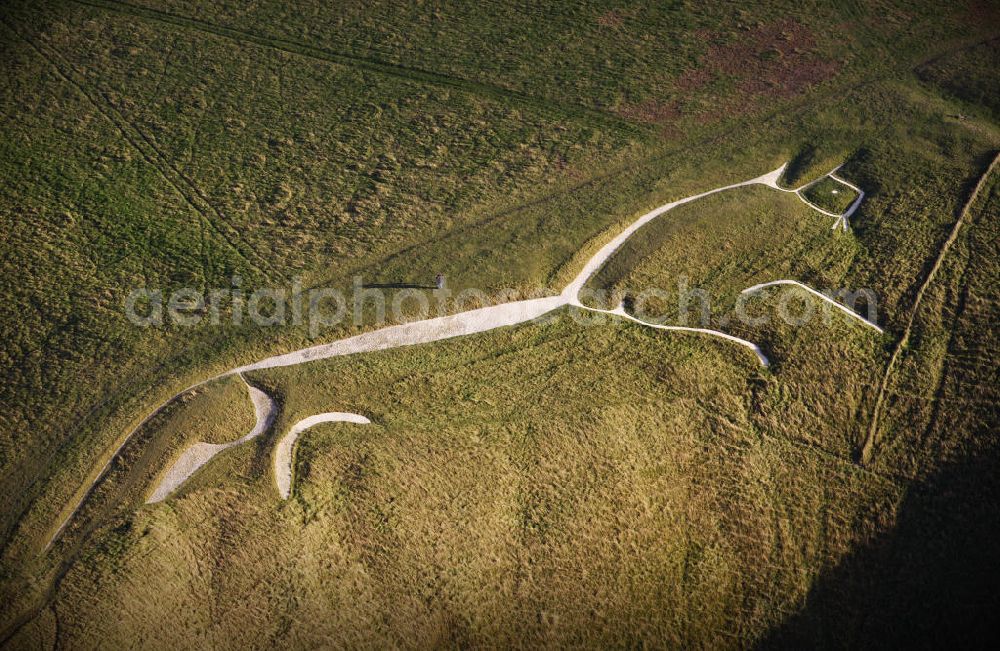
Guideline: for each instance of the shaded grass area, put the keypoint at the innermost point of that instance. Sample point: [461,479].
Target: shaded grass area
[951,364]
[218,412]
[931,579]
[214,413]
[959,76]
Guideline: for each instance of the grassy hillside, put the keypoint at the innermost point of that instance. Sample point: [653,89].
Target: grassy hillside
[661,63]
[184,143]
[723,244]
[916,175]
[126,176]
[510,487]
[627,462]
[830,195]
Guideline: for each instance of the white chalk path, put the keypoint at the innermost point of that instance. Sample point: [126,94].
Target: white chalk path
[843,218]
[429,330]
[620,311]
[283,451]
[418,332]
[854,206]
[496,316]
[199,454]
[462,324]
[572,291]
[843,308]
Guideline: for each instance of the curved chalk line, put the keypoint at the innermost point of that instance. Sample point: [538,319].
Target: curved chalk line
[844,217]
[429,330]
[843,308]
[283,456]
[620,311]
[201,453]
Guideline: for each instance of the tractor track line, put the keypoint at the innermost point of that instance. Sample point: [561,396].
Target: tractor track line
[868,449]
[183,185]
[399,71]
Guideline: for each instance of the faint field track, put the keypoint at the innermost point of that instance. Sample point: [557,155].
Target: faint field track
[868,449]
[367,63]
[150,153]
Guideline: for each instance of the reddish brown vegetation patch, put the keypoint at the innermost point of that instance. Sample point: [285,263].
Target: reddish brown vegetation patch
[694,79]
[664,115]
[982,12]
[778,54]
[612,18]
[771,60]
[791,82]
[651,112]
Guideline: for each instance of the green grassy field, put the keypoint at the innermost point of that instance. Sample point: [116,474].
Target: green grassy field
[517,485]
[723,244]
[830,195]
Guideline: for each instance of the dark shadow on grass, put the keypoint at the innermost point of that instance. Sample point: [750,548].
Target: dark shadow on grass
[931,582]
[799,164]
